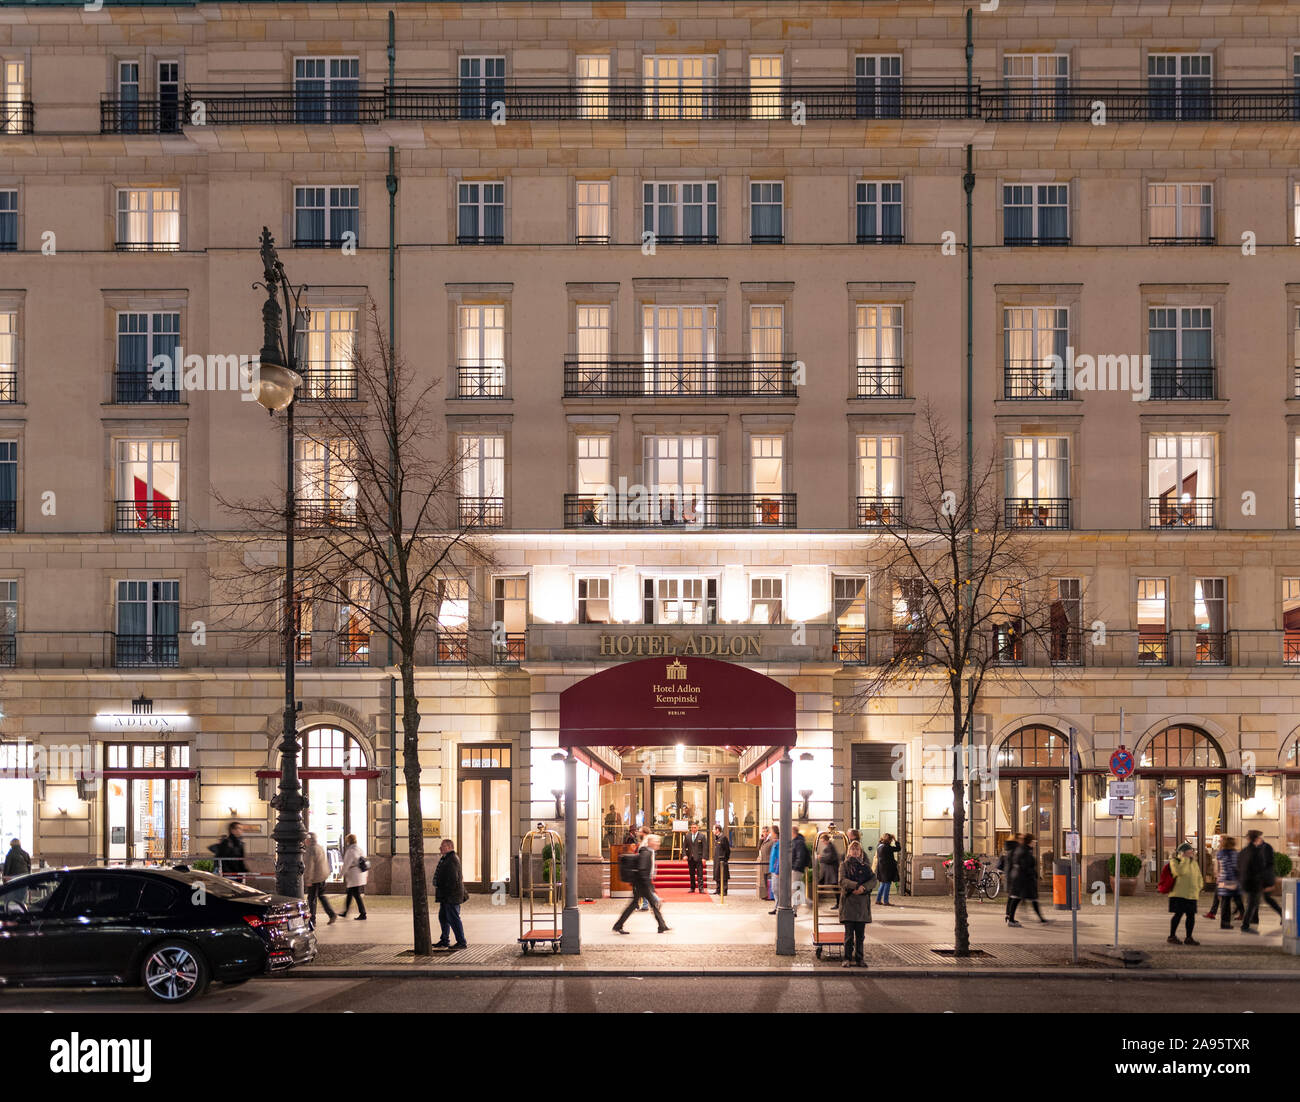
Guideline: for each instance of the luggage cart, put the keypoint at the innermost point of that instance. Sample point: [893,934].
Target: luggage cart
[822,897]
[541,890]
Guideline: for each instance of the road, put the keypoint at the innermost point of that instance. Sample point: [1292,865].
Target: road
[623,994]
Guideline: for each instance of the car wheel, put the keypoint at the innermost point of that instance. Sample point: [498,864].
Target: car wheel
[174,971]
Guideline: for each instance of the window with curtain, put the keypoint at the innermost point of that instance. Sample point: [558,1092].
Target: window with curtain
[767,466]
[482,83]
[765,87]
[1035,214]
[142,336]
[1180,85]
[880,472]
[1181,479]
[1032,335]
[679,348]
[8,485]
[878,86]
[1036,86]
[148,622]
[482,480]
[681,213]
[354,625]
[1037,481]
[481,213]
[481,334]
[593,333]
[1181,214]
[149,219]
[331,370]
[766,600]
[326,480]
[325,89]
[13,118]
[8,356]
[879,339]
[1181,343]
[8,619]
[593,601]
[8,220]
[322,216]
[766,212]
[679,86]
[1210,613]
[880,212]
[593,86]
[1291,621]
[148,485]
[593,212]
[689,600]
[850,601]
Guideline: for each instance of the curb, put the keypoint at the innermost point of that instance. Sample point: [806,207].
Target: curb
[1061,972]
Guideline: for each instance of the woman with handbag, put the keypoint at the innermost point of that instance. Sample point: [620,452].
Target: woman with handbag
[355,870]
[1227,891]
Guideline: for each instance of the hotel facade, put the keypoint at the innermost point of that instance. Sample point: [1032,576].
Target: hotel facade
[713,256]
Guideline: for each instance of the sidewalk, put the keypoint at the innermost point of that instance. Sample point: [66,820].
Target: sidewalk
[738,938]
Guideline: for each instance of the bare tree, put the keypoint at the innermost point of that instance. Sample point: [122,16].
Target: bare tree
[971,596]
[381,533]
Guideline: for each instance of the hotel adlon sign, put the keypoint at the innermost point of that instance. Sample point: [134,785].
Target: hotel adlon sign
[709,646]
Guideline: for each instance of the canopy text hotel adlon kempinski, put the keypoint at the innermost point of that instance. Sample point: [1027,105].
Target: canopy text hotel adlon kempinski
[715,250]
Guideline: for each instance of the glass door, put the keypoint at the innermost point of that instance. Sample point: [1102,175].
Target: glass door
[484,831]
[876,812]
[336,808]
[677,798]
[16,810]
[1174,809]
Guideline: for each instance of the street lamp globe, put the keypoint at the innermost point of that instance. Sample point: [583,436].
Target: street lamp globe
[276,386]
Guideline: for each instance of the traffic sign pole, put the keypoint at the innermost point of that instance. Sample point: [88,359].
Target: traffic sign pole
[1119,826]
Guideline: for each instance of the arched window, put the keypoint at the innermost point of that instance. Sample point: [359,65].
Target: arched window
[1181,747]
[1033,747]
[331,748]
[335,782]
[1291,755]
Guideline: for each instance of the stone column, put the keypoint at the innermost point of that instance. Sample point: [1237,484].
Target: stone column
[784,913]
[571,941]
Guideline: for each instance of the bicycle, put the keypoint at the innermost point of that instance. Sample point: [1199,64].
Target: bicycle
[981,880]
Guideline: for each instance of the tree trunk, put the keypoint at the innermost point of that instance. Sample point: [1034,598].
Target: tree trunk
[422,940]
[961,925]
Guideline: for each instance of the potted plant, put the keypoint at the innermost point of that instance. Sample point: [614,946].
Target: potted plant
[1130,869]
[1281,864]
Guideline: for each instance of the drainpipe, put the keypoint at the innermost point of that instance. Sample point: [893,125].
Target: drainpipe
[968,184]
[391,181]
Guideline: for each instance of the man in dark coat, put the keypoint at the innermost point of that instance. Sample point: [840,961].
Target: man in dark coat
[721,860]
[800,862]
[449,893]
[695,846]
[228,853]
[1024,879]
[1256,873]
[18,862]
[643,886]
[886,867]
[828,868]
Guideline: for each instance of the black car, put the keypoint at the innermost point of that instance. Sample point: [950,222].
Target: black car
[171,931]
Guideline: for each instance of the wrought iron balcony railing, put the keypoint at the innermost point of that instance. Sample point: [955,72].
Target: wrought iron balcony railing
[880,380]
[1035,242]
[1169,512]
[681,510]
[480,239]
[880,239]
[1030,381]
[140,116]
[747,378]
[17,116]
[323,242]
[880,512]
[1181,239]
[1182,379]
[147,516]
[481,379]
[8,516]
[281,105]
[314,513]
[353,648]
[1153,648]
[8,650]
[147,246]
[1143,102]
[629,102]
[326,383]
[8,386]
[1211,648]
[146,650]
[1037,512]
[481,512]
[135,386]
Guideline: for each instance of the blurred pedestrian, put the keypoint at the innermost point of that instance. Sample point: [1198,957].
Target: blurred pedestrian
[886,867]
[355,871]
[643,887]
[316,870]
[1024,879]
[18,862]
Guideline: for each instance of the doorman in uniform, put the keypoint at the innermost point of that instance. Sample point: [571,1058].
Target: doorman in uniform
[696,847]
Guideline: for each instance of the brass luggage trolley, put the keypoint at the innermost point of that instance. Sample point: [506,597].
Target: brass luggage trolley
[541,889]
[824,894]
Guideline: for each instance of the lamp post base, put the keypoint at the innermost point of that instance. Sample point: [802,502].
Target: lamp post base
[784,932]
[571,935]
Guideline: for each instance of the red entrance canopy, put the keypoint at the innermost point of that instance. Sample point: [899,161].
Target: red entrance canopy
[677,699]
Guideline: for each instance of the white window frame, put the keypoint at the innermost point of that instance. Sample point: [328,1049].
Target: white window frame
[157,203]
[592,72]
[654,208]
[766,74]
[1183,206]
[862,199]
[776,198]
[480,203]
[1038,201]
[581,600]
[594,210]
[667,85]
[766,589]
[336,199]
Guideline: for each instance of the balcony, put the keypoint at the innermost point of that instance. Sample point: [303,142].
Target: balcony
[879,239]
[1008,646]
[1211,648]
[8,651]
[481,379]
[1036,242]
[461,647]
[135,651]
[325,384]
[1182,380]
[16,116]
[1190,512]
[880,512]
[767,239]
[1037,512]
[280,105]
[147,246]
[1142,102]
[681,511]
[480,239]
[135,386]
[879,380]
[1291,647]
[8,516]
[1182,239]
[743,378]
[481,512]
[147,516]
[449,101]
[139,116]
[8,386]
[1032,381]
[314,513]
[353,648]
[324,242]
[1153,648]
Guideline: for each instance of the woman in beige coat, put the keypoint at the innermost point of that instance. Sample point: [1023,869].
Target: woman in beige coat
[316,870]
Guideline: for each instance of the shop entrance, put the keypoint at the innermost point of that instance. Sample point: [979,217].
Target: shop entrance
[483,792]
[1182,797]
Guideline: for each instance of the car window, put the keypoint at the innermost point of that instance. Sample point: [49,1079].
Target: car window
[32,895]
[157,898]
[102,896]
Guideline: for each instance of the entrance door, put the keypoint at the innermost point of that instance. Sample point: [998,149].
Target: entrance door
[876,812]
[336,808]
[674,798]
[16,810]
[1178,810]
[484,818]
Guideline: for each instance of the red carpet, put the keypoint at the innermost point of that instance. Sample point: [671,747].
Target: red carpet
[672,883]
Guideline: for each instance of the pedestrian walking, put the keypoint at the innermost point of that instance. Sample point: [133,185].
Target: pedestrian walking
[774,867]
[765,842]
[1270,879]
[1188,880]
[643,886]
[18,862]
[1003,866]
[828,867]
[228,853]
[1257,875]
[355,871]
[449,893]
[1227,890]
[316,870]
[886,867]
[642,835]
[721,860]
[695,846]
[855,877]
[800,863]
[1024,879]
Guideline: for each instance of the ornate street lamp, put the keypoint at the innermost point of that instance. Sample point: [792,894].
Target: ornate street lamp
[277,382]
[805,783]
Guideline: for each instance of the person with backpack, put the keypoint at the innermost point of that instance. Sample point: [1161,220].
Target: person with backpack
[643,887]
[355,871]
[1227,891]
[854,880]
[1185,872]
[228,853]
[18,862]
[449,893]
[1270,878]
